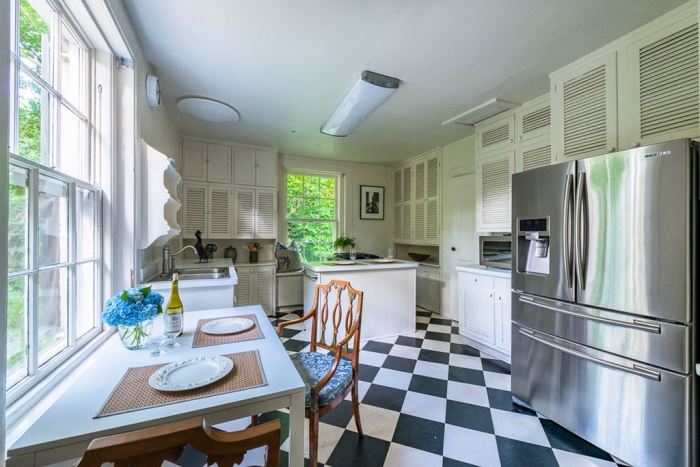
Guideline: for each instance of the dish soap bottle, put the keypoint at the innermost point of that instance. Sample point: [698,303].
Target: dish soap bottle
[174,312]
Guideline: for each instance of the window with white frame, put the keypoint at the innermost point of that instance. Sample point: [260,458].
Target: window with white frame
[54,228]
[312,213]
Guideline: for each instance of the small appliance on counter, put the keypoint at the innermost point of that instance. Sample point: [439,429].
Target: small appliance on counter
[495,251]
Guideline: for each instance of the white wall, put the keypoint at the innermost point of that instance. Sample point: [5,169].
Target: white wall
[372,236]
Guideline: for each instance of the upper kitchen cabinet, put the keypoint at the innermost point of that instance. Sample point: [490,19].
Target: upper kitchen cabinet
[658,77]
[207,208]
[533,119]
[495,133]
[206,162]
[417,200]
[255,213]
[584,108]
[533,154]
[493,187]
[255,167]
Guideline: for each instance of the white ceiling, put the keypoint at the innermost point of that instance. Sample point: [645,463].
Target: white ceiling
[285,65]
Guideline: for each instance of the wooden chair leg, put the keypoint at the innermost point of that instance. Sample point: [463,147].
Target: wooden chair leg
[356,409]
[313,439]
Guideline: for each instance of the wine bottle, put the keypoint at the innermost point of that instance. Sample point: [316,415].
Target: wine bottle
[174,312]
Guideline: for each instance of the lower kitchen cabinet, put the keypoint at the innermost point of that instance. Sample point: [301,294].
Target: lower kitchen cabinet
[484,309]
[290,289]
[256,286]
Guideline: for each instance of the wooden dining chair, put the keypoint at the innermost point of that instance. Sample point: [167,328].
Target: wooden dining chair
[329,378]
[150,447]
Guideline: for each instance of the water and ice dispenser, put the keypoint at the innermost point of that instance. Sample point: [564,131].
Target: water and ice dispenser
[533,245]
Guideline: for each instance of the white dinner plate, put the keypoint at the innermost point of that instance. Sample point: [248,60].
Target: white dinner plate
[227,326]
[190,374]
[383,260]
[341,263]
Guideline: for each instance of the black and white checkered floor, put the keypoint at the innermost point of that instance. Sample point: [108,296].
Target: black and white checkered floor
[431,400]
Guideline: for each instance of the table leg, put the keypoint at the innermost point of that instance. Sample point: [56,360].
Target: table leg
[296,430]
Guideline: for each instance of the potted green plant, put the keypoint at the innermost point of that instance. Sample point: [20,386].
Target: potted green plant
[343,243]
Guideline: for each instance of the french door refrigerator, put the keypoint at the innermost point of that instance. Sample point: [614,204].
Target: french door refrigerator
[604,295]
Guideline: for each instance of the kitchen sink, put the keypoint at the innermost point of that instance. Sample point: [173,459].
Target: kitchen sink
[193,274]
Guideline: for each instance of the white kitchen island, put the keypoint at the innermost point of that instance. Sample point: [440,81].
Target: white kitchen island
[389,307]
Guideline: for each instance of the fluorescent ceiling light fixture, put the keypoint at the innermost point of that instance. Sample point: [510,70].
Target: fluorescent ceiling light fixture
[208,110]
[365,95]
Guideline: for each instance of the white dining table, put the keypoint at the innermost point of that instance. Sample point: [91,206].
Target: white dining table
[67,427]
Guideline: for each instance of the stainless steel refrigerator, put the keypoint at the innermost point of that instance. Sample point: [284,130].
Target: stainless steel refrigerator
[604,284]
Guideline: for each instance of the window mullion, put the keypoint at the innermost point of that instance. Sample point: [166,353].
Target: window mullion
[32,315]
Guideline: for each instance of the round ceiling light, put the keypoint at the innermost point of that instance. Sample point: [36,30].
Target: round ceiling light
[208,110]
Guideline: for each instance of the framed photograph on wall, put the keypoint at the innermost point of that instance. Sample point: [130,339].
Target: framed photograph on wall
[372,202]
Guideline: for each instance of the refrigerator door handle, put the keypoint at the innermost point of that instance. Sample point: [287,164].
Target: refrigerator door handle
[567,228]
[634,369]
[581,226]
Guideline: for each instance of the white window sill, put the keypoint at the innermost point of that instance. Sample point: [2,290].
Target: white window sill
[27,409]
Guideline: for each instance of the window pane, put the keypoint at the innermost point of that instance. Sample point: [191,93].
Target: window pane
[314,239]
[294,208]
[85,222]
[328,187]
[52,312]
[53,221]
[16,329]
[72,78]
[295,185]
[326,208]
[72,158]
[35,24]
[18,226]
[85,299]
[312,189]
[33,120]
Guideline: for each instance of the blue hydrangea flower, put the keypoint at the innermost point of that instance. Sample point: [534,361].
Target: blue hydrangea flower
[131,307]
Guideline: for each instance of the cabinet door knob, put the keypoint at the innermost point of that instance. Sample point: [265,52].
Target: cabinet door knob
[476,280]
[453,249]
[490,295]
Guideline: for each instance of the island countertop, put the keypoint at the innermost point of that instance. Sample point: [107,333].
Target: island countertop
[360,265]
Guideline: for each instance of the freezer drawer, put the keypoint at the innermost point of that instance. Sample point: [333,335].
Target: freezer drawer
[657,343]
[637,413]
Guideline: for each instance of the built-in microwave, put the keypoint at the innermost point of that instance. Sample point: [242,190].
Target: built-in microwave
[495,251]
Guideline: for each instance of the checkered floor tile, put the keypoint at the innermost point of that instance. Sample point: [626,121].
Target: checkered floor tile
[429,399]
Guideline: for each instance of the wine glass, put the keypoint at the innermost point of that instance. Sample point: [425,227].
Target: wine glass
[155,346]
[170,331]
[389,254]
[353,255]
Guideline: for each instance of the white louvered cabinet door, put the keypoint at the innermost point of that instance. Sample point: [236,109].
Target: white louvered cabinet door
[244,221]
[477,310]
[419,181]
[265,214]
[432,204]
[493,179]
[584,109]
[398,186]
[659,88]
[533,154]
[219,212]
[419,220]
[533,119]
[406,221]
[502,324]
[195,207]
[398,226]
[242,290]
[406,184]
[264,292]
[495,133]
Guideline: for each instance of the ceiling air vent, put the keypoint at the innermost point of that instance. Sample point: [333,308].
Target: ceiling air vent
[482,112]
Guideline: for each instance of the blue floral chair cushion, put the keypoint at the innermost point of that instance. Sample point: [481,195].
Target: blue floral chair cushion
[312,366]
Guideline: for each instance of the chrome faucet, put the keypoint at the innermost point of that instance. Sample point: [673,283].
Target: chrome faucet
[168,260]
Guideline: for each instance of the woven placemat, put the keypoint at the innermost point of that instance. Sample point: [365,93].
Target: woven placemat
[202,339]
[134,393]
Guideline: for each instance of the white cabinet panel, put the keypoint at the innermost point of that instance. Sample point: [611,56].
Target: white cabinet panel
[584,109]
[533,154]
[264,293]
[428,287]
[265,168]
[195,207]
[265,214]
[533,119]
[219,212]
[502,321]
[493,178]
[218,163]
[289,290]
[194,161]
[256,286]
[417,201]
[244,199]
[244,166]
[242,289]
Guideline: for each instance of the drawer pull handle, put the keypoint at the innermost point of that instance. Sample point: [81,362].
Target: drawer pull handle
[635,324]
[635,369]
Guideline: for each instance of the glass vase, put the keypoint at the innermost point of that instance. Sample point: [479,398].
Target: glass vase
[136,336]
